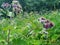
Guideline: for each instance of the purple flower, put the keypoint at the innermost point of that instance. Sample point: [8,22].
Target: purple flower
[14,6]
[48,25]
[47,21]
[6,5]
[42,20]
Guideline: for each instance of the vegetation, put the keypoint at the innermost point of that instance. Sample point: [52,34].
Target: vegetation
[18,27]
[37,5]
[17,31]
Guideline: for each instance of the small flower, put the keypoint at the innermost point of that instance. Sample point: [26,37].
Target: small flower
[48,25]
[17,8]
[5,5]
[47,21]
[42,20]
[14,6]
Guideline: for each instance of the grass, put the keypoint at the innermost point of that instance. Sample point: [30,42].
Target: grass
[21,26]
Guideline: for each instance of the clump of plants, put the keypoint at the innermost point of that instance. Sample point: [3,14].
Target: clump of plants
[10,10]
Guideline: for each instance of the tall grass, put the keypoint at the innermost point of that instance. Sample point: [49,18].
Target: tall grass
[24,30]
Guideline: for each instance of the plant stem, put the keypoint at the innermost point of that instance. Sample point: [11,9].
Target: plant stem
[8,37]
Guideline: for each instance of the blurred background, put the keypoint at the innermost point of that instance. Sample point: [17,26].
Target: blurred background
[37,5]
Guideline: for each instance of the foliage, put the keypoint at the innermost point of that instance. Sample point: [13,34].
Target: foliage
[24,30]
[37,5]
[7,10]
